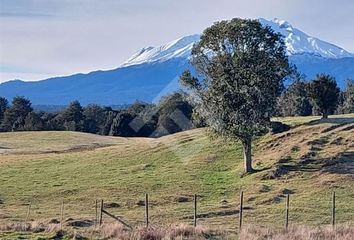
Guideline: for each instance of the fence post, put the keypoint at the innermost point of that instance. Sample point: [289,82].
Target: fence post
[61,215]
[241,210]
[96,212]
[195,210]
[147,210]
[334,209]
[28,212]
[101,212]
[287,211]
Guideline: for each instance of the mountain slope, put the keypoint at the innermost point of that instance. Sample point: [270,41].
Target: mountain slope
[154,71]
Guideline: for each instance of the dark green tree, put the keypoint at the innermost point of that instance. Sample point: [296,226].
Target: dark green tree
[324,94]
[33,122]
[175,114]
[347,104]
[121,125]
[72,117]
[241,66]
[15,115]
[94,118]
[295,101]
[4,104]
[110,116]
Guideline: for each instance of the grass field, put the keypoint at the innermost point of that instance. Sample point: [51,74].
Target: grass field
[309,161]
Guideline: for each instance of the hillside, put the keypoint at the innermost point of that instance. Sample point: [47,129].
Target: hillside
[309,161]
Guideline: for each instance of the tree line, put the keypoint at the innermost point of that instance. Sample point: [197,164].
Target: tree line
[172,114]
[320,96]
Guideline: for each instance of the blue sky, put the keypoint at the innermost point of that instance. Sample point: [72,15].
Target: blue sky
[45,38]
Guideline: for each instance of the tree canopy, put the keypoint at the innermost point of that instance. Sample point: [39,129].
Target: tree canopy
[240,68]
[324,94]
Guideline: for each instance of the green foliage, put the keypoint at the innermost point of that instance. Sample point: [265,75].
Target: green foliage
[3,107]
[347,102]
[95,117]
[14,117]
[73,117]
[33,122]
[241,67]
[175,114]
[295,101]
[324,94]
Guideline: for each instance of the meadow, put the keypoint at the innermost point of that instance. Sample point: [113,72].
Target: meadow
[309,162]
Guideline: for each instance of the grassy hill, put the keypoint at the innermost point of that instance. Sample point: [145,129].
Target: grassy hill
[309,161]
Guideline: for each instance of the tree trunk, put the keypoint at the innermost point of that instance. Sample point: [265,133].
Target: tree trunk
[247,155]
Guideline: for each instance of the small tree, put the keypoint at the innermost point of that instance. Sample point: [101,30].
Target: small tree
[73,117]
[4,104]
[295,101]
[241,66]
[33,122]
[15,115]
[94,118]
[324,94]
[347,105]
[175,114]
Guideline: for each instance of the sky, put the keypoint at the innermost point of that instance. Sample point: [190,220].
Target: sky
[47,38]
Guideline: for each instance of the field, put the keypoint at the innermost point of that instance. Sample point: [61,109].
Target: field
[310,161]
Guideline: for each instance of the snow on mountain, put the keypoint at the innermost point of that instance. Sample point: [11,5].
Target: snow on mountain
[179,48]
[296,41]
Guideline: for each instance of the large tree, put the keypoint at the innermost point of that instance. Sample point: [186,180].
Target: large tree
[240,66]
[324,94]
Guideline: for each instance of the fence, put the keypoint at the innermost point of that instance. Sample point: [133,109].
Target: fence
[195,215]
[99,215]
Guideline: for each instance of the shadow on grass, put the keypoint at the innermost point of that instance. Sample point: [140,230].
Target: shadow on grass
[338,120]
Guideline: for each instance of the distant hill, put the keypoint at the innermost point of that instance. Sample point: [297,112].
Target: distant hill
[154,71]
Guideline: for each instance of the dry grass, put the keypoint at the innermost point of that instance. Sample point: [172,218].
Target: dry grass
[342,232]
[34,227]
[179,231]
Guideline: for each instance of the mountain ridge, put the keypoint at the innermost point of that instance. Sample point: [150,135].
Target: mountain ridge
[153,71]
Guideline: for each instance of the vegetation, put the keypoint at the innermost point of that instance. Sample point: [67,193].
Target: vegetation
[344,232]
[172,114]
[324,93]
[241,67]
[309,161]
[295,100]
[347,99]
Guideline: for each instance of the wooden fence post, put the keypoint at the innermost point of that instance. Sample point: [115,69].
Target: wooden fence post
[96,212]
[101,212]
[147,210]
[61,215]
[195,210]
[287,211]
[334,209]
[28,212]
[241,210]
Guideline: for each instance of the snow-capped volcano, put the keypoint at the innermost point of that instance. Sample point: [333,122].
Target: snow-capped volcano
[154,71]
[296,41]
